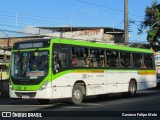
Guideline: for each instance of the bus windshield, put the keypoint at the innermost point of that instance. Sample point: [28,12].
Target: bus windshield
[29,65]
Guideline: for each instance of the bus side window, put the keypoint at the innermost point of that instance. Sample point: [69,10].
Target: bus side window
[80,57]
[62,59]
[125,60]
[94,58]
[112,59]
[148,61]
[77,57]
[137,60]
[102,58]
[55,61]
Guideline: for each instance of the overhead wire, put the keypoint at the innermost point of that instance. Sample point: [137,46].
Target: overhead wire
[22,20]
[49,21]
[100,5]
[113,9]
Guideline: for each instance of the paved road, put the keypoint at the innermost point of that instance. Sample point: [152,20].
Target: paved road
[145,101]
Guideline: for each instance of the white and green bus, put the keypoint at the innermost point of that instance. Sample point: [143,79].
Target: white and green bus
[46,69]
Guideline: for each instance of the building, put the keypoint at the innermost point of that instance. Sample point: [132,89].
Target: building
[105,34]
[7,43]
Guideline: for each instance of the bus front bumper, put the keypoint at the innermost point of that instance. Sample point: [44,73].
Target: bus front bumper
[40,94]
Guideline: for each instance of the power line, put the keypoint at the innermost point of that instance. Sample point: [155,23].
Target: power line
[100,6]
[4,33]
[19,32]
[11,17]
[117,10]
[20,15]
[24,14]
[36,22]
[119,24]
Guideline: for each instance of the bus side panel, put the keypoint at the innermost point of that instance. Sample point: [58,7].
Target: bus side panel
[101,83]
[149,79]
[118,80]
[62,87]
[95,83]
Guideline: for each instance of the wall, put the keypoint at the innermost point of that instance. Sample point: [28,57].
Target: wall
[97,34]
[94,34]
[4,42]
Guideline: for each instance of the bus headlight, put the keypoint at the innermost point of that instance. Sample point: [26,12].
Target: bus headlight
[44,86]
[10,87]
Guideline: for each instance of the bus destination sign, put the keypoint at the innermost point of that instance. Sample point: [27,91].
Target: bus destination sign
[30,45]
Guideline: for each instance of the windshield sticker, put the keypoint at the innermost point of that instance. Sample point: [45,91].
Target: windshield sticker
[33,77]
[35,73]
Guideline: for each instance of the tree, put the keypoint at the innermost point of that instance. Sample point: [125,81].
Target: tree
[152,21]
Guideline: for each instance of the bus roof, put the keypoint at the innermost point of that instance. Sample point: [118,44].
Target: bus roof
[81,43]
[99,45]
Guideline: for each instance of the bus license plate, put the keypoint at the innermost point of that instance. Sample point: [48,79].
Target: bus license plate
[25,96]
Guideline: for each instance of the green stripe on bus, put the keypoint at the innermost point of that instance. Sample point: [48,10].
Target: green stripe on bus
[99,45]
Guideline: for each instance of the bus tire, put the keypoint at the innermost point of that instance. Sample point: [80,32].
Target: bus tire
[77,94]
[43,101]
[132,88]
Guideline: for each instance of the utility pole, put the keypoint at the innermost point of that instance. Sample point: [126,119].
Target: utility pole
[125,21]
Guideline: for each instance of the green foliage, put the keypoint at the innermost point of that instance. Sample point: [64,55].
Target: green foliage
[152,21]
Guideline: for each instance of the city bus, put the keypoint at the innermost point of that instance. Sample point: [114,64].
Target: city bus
[55,68]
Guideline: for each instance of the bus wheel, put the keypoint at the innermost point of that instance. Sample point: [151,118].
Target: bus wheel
[77,94]
[43,101]
[132,88]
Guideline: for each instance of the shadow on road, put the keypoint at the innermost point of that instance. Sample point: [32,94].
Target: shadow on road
[58,103]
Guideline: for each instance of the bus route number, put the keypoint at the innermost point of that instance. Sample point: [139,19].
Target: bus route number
[84,76]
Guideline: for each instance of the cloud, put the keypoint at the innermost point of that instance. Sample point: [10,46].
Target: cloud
[31,29]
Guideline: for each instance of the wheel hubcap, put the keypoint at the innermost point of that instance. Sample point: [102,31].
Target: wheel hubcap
[132,89]
[77,94]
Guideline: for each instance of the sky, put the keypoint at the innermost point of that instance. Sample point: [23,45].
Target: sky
[22,15]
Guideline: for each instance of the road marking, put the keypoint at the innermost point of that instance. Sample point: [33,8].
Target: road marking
[90,104]
[58,104]
[74,107]
[28,105]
